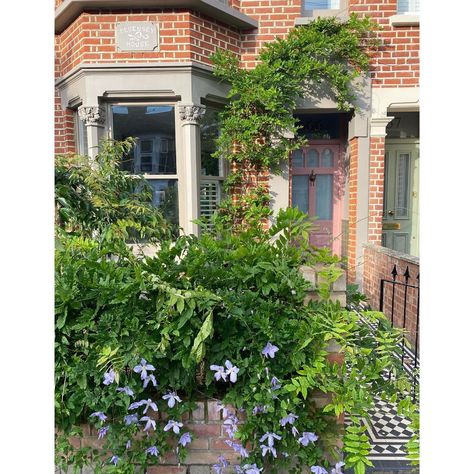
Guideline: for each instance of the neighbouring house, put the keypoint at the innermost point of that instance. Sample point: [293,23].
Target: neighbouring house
[142,69]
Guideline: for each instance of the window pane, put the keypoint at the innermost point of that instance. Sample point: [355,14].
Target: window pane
[327,159]
[321,4]
[154,126]
[403,170]
[210,197]
[312,159]
[299,192]
[165,196]
[408,6]
[82,145]
[209,133]
[324,196]
[297,160]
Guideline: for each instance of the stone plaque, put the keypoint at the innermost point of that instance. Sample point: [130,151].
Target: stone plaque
[136,36]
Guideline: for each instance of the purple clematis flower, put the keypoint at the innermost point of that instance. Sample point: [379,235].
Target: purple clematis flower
[142,368]
[128,445]
[219,468]
[294,431]
[172,399]
[114,460]
[238,448]
[337,468]
[232,371]
[148,379]
[265,449]
[127,390]
[270,437]
[269,350]
[148,404]
[103,431]
[275,383]
[99,415]
[220,372]
[290,418]
[153,450]
[175,425]
[230,425]
[130,419]
[185,439]
[109,377]
[318,470]
[149,423]
[221,407]
[259,409]
[251,469]
[307,437]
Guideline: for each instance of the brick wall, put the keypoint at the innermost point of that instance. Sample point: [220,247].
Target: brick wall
[398,62]
[376,184]
[378,265]
[351,240]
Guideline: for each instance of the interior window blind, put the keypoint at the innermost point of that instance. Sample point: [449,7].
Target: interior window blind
[209,198]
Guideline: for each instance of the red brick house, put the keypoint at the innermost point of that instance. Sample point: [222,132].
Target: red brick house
[145,71]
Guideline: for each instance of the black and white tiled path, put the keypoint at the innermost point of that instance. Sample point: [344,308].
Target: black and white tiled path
[388,431]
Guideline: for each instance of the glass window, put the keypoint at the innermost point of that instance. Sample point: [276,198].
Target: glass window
[154,155]
[299,192]
[403,173]
[327,159]
[321,4]
[297,159]
[408,6]
[81,136]
[324,196]
[313,159]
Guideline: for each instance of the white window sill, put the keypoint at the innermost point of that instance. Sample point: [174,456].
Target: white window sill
[412,19]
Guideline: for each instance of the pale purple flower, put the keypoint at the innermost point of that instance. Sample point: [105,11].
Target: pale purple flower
[114,460]
[219,468]
[238,448]
[291,418]
[142,368]
[222,408]
[130,419]
[275,383]
[185,439]
[153,450]
[109,377]
[220,372]
[100,415]
[127,390]
[103,431]
[294,431]
[265,449]
[307,437]
[148,379]
[175,425]
[318,470]
[230,425]
[128,445]
[252,469]
[270,437]
[337,468]
[269,350]
[232,371]
[149,423]
[172,399]
[259,409]
[148,404]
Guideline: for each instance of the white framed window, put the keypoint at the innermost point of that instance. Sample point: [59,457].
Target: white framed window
[321,4]
[154,155]
[408,6]
[80,132]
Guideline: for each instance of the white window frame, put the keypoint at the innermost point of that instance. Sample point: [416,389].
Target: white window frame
[80,135]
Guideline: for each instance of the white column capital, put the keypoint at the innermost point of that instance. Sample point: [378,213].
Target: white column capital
[92,115]
[378,126]
[191,114]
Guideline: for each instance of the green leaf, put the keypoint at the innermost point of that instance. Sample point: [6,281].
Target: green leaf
[198,350]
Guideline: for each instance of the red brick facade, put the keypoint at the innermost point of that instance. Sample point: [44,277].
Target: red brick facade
[376,180]
[351,245]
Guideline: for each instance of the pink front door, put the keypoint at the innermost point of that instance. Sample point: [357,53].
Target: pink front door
[317,190]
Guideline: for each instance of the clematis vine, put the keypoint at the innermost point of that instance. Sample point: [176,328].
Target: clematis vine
[238,448]
[275,383]
[290,418]
[142,368]
[219,468]
[153,450]
[174,425]
[337,468]
[270,437]
[185,439]
[148,379]
[127,390]
[248,469]
[230,425]
[221,407]
[103,431]
[148,404]
[232,371]
[265,449]
[270,350]
[109,377]
[259,409]
[130,419]
[172,399]
[318,470]
[220,372]
[149,423]
[307,438]
[114,460]
[100,415]
[128,445]
[294,431]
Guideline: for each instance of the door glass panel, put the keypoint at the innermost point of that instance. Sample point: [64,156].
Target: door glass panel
[403,169]
[312,159]
[324,196]
[299,192]
[297,159]
[327,159]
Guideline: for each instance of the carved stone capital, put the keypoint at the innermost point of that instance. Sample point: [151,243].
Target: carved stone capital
[93,115]
[378,126]
[191,113]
